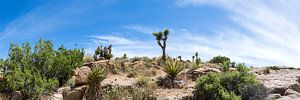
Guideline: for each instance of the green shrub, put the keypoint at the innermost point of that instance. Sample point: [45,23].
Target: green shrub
[230,84]
[225,66]
[94,79]
[172,68]
[37,71]
[209,87]
[219,59]
[242,68]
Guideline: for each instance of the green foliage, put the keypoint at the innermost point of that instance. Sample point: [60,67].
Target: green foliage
[253,92]
[219,59]
[172,68]
[242,68]
[94,79]
[102,53]
[41,70]
[230,84]
[225,66]
[162,36]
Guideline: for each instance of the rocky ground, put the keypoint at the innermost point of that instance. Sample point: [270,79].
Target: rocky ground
[283,83]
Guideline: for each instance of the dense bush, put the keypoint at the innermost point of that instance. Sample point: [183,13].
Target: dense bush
[222,85]
[209,88]
[225,66]
[36,71]
[219,59]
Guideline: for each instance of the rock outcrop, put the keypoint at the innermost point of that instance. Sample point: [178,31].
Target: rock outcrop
[202,71]
[75,94]
[81,75]
[283,84]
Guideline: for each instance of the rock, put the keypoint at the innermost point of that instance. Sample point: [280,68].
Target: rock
[89,64]
[81,75]
[16,95]
[53,96]
[75,94]
[291,92]
[274,96]
[202,71]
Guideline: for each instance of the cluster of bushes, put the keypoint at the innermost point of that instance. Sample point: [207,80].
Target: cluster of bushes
[219,59]
[230,85]
[36,71]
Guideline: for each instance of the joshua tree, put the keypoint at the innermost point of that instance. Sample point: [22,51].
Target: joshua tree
[193,58]
[198,60]
[162,36]
[179,57]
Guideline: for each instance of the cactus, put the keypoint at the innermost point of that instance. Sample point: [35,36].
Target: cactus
[103,53]
[197,60]
[162,36]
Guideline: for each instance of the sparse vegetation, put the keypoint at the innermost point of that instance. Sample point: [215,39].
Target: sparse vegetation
[102,53]
[94,80]
[88,58]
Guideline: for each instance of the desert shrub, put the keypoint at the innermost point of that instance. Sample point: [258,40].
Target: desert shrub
[242,68]
[219,59]
[209,88]
[225,66]
[266,70]
[94,79]
[253,92]
[221,85]
[172,68]
[113,93]
[40,70]
[88,58]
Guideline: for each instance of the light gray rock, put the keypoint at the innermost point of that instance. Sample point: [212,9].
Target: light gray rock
[81,75]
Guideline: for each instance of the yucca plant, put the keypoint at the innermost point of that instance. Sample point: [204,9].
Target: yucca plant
[172,68]
[94,79]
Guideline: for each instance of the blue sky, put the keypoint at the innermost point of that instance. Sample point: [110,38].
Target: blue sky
[256,32]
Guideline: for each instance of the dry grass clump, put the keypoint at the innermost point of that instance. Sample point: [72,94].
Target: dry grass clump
[88,58]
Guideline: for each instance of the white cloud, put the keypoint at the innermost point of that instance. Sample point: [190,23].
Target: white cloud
[272,33]
[141,28]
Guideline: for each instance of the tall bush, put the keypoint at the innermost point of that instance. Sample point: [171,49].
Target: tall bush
[39,70]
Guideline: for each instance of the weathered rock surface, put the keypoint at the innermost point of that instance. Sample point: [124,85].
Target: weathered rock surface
[75,94]
[282,84]
[119,80]
[81,75]
[202,71]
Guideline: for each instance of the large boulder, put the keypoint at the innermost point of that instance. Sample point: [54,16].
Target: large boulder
[75,94]
[81,75]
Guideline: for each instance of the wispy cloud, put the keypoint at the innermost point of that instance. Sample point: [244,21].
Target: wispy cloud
[141,28]
[268,31]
